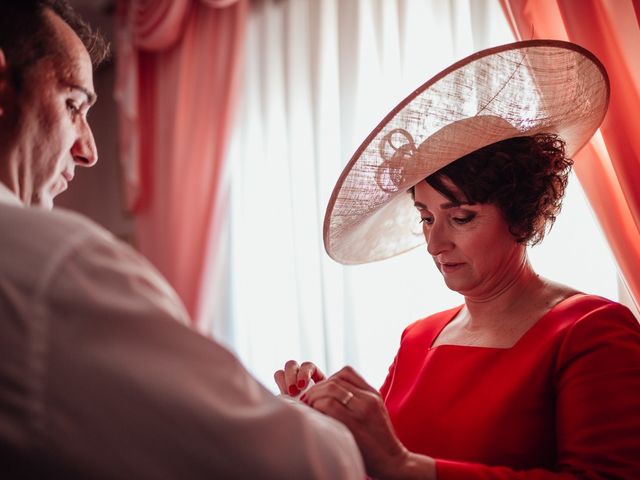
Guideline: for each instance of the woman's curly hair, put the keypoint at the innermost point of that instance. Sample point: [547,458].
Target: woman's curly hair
[525,177]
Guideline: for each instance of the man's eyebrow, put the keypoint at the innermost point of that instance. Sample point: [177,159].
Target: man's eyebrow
[91,96]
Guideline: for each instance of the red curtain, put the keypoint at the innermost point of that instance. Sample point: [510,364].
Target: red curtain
[609,167]
[178,66]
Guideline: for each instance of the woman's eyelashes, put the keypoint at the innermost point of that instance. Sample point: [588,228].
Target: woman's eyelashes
[464,219]
[458,219]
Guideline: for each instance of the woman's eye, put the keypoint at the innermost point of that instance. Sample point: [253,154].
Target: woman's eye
[463,220]
[426,220]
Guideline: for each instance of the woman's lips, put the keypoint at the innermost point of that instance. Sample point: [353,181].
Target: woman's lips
[450,267]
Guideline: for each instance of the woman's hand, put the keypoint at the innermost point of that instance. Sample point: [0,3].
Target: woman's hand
[295,378]
[346,397]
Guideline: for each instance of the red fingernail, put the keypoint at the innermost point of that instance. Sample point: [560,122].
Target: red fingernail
[301,383]
[303,397]
[293,390]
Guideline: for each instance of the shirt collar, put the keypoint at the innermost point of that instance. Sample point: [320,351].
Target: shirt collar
[7,196]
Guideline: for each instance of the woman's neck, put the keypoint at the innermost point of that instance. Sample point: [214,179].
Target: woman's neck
[514,292]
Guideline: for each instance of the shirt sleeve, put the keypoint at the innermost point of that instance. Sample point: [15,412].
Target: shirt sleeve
[597,405]
[128,391]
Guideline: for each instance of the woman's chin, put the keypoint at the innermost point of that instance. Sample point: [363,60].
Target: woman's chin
[454,285]
[460,285]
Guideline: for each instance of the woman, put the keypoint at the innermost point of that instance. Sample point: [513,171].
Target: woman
[528,378]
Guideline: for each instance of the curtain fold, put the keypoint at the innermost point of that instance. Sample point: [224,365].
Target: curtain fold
[158,24]
[178,67]
[609,168]
[218,3]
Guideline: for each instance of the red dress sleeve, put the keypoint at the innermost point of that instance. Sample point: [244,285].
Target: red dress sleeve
[387,381]
[597,385]
[384,389]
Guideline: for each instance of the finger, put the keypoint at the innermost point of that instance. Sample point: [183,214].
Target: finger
[329,406]
[358,403]
[291,377]
[318,376]
[308,371]
[363,404]
[330,389]
[279,378]
[348,374]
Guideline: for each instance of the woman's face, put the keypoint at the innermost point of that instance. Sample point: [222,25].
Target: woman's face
[470,244]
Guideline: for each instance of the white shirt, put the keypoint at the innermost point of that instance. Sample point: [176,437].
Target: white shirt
[101,378]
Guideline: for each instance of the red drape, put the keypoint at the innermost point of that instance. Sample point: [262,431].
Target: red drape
[178,66]
[609,167]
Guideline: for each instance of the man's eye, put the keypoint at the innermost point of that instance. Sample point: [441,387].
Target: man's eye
[463,220]
[72,108]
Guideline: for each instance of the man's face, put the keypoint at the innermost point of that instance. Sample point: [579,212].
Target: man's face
[53,136]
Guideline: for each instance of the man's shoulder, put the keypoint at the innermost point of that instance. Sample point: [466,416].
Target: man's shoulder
[33,238]
[46,227]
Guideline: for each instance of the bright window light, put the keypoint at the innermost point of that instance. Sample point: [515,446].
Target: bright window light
[318,77]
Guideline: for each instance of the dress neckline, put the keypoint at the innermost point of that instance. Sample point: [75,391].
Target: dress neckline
[527,333]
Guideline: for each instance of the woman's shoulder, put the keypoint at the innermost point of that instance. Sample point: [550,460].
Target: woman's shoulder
[599,337]
[590,322]
[582,306]
[572,306]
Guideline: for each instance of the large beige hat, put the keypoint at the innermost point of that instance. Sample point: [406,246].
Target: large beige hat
[513,90]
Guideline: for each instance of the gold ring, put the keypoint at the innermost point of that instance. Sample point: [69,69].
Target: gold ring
[345,401]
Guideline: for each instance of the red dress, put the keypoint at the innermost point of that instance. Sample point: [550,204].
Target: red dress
[563,402]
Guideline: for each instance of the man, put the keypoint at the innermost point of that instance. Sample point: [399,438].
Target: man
[99,376]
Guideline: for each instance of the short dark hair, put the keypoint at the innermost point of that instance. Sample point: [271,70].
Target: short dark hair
[25,33]
[525,177]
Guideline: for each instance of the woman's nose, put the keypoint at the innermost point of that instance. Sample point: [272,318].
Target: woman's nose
[437,239]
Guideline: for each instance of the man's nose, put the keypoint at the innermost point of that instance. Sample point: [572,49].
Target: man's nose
[437,238]
[84,151]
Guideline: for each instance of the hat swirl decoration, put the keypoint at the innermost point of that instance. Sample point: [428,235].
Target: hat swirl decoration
[519,89]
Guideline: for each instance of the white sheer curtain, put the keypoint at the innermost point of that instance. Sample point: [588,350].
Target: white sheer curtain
[319,75]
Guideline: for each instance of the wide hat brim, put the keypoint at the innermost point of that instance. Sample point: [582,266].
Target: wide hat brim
[519,89]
